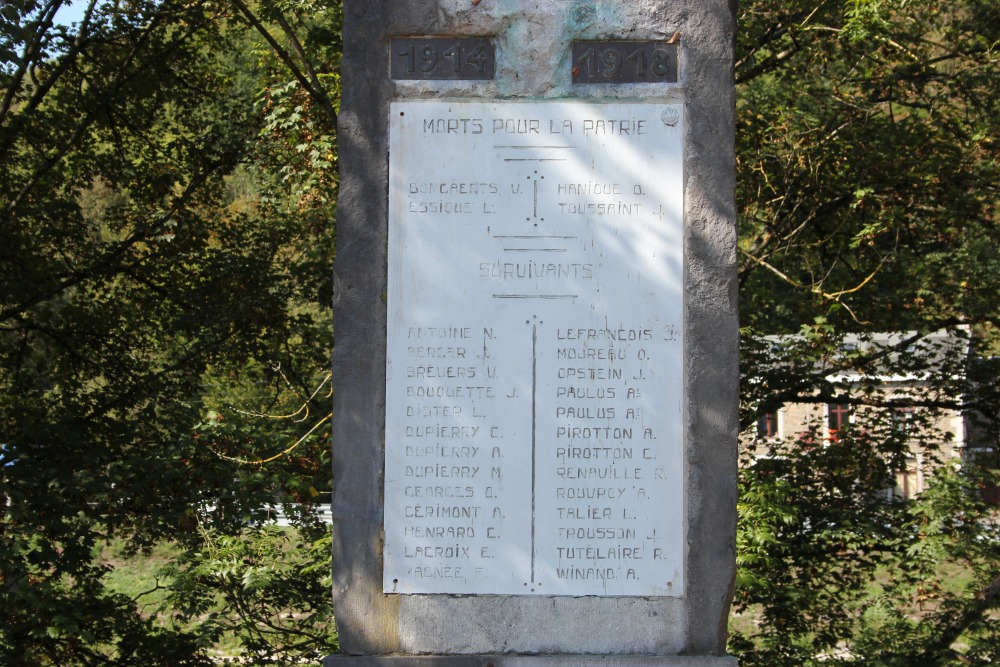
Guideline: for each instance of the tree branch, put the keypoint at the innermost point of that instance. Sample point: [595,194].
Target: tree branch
[952,629]
[108,263]
[317,93]
[63,64]
[32,49]
[323,99]
[65,146]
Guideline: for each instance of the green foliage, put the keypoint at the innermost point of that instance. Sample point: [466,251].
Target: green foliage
[262,586]
[158,268]
[830,580]
[867,195]
[166,210]
[868,163]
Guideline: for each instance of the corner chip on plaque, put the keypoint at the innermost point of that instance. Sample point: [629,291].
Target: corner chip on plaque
[442,58]
[625,61]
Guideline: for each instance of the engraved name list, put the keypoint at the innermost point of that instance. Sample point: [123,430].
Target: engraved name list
[535,353]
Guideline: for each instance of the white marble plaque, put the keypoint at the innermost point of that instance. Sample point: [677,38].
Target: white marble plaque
[534,440]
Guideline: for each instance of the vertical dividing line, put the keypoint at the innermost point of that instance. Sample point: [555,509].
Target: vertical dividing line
[535,183]
[534,389]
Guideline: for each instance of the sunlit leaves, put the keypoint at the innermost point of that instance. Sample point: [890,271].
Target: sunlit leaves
[155,266]
[864,162]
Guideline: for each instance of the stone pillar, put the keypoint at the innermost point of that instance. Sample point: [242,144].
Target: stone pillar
[536,336]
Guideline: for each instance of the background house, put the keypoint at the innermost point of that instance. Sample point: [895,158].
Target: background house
[900,386]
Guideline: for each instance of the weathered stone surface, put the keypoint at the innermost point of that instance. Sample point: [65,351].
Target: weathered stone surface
[533,62]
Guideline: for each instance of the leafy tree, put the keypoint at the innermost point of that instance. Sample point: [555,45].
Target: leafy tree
[164,241]
[158,266]
[867,159]
[867,191]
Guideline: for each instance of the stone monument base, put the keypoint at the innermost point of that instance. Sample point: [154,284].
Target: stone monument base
[529,661]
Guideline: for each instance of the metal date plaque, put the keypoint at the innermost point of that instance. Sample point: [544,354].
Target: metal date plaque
[442,58]
[625,61]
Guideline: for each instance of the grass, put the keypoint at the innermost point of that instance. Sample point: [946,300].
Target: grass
[138,575]
[264,573]
[951,579]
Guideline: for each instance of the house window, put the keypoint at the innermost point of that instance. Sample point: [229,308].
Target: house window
[838,415]
[908,480]
[767,426]
[902,420]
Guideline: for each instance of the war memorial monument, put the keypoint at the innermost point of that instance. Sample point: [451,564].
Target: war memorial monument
[536,341]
